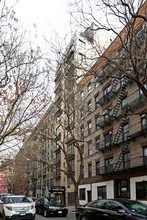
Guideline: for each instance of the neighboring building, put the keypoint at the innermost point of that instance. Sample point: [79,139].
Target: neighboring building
[19,173]
[52,131]
[3,182]
[84,49]
[7,176]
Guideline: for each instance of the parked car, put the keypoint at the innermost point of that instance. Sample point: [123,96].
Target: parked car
[114,209]
[32,199]
[18,207]
[4,194]
[50,206]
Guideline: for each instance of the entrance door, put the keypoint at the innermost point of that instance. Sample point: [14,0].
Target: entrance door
[122,188]
[89,196]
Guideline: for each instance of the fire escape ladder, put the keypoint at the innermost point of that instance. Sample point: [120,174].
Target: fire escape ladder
[120,158]
[119,130]
[120,97]
[114,84]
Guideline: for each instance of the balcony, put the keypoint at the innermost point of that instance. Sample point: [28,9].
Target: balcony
[57,173]
[57,149]
[135,131]
[105,98]
[135,162]
[71,153]
[57,160]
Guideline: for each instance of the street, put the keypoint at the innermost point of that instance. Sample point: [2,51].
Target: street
[70,216]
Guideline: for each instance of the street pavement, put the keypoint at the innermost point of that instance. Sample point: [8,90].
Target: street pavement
[70,216]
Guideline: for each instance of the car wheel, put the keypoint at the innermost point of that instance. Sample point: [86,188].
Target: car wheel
[64,215]
[45,213]
[84,218]
[4,217]
[37,212]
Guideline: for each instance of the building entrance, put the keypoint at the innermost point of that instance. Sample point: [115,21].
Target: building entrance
[122,188]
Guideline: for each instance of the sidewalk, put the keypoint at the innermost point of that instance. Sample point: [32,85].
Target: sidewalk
[71,208]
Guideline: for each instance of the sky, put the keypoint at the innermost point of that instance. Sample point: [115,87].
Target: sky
[48,15]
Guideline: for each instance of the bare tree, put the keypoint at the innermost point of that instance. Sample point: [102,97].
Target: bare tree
[24,85]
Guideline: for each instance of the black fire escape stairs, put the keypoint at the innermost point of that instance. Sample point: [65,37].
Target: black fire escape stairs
[120,96]
[120,157]
[122,121]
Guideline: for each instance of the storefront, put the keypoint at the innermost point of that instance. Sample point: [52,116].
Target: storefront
[58,192]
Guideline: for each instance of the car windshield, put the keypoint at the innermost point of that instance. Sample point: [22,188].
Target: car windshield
[30,199]
[17,200]
[51,200]
[136,207]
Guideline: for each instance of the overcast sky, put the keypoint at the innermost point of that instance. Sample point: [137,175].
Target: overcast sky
[46,14]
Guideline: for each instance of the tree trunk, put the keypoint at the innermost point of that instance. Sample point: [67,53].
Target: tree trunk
[76,197]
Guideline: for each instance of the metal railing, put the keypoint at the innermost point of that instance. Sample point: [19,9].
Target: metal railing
[134,162]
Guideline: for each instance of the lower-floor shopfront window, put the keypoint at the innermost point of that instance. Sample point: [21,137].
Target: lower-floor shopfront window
[141,190]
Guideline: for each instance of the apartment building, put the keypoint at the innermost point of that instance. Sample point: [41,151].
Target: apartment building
[20,173]
[113,127]
[3,182]
[84,49]
[7,176]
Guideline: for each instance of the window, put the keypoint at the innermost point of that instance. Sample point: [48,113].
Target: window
[96,81]
[82,194]
[97,122]
[82,133]
[108,139]
[89,127]
[101,192]
[58,143]
[58,157]
[81,56]
[89,107]
[141,190]
[144,121]
[126,160]
[89,170]
[97,144]
[82,113]
[97,168]
[52,128]
[82,95]
[109,165]
[51,181]
[89,149]
[69,181]
[145,155]
[97,204]
[125,132]
[124,102]
[107,90]
[72,164]
[107,115]
[70,150]
[71,118]
[51,154]
[89,88]
[82,43]
[113,206]
[145,85]
[58,130]
[97,101]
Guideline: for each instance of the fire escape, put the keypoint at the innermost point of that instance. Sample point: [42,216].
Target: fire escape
[122,121]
